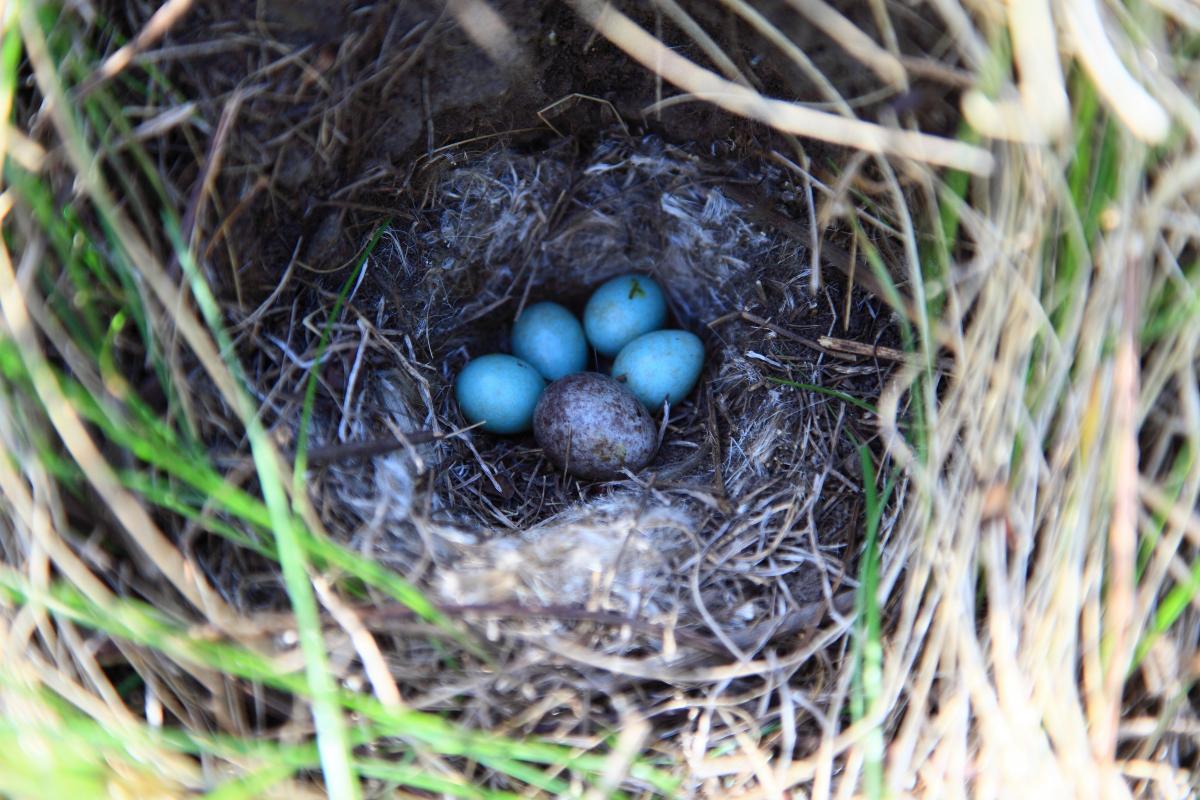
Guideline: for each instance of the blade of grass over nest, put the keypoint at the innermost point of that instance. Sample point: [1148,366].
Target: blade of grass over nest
[812,387]
[151,445]
[310,389]
[165,494]
[332,739]
[70,762]
[1181,597]
[10,61]
[80,258]
[143,625]
[1092,182]
[887,283]
[781,115]
[399,588]
[868,648]
[1168,502]
[952,198]
[282,762]
[1174,306]
[62,715]
[918,342]
[255,783]
[162,452]
[185,464]
[530,775]
[83,449]
[74,242]
[88,749]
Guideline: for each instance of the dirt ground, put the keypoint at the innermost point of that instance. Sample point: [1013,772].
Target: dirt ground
[384,85]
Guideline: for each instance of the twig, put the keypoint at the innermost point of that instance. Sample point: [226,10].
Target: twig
[162,21]
[1140,112]
[877,351]
[779,114]
[1122,531]
[754,319]
[353,451]
[364,642]
[853,41]
[831,254]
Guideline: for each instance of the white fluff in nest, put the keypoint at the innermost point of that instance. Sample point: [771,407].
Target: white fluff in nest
[630,206]
[396,473]
[609,555]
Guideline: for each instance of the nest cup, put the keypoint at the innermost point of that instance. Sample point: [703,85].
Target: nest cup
[744,459]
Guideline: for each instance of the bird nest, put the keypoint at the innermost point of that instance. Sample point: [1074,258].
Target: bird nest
[738,542]
[738,533]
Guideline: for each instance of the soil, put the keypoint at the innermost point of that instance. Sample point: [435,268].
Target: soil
[339,104]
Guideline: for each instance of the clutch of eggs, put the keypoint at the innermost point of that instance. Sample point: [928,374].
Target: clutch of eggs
[590,425]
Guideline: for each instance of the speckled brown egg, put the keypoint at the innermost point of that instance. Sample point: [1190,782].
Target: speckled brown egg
[593,427]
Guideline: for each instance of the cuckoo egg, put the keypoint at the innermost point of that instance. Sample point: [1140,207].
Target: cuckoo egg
[593,427]
[661,365]
[500,391]
[621,310]
[550,338]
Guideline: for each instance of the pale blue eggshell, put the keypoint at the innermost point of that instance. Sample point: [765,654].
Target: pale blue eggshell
[550,338]
[500,391]
[621,310]
[661,364]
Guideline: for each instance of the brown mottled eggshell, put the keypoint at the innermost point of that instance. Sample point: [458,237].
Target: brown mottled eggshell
[593,427]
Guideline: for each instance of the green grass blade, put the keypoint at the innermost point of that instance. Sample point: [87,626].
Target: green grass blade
[332,740]
[310,389]
[141,624]
[812,387]
[868,677]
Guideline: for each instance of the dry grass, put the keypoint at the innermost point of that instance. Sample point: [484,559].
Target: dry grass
[928,528]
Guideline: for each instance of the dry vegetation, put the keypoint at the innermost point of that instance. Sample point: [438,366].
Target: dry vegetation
[928,527]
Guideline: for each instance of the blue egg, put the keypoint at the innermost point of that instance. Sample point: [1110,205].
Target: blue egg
[621,310]
[658,365]
[500,391]
[551,339]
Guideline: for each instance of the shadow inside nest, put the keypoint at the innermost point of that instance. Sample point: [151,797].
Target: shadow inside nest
[742,524]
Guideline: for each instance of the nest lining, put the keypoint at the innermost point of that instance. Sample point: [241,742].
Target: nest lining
[744,516]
